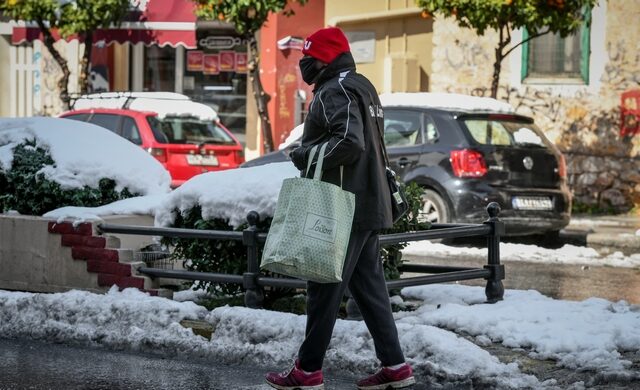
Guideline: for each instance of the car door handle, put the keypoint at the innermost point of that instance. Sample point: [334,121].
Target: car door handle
[403,162]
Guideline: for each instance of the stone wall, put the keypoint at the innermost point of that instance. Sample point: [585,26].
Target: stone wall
[584,121]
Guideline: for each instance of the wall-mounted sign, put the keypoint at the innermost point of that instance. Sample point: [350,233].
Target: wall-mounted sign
[227,61]
[195,60]
[221,42]
[211,64]
[630,113]
[241,62]
[363,45]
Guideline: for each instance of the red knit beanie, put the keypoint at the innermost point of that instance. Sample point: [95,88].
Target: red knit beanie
[326,44]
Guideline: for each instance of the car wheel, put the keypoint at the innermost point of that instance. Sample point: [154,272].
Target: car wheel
[434,208]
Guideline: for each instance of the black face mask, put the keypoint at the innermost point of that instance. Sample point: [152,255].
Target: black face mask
[310,69]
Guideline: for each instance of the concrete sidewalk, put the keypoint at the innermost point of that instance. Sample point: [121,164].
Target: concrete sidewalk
[607,233]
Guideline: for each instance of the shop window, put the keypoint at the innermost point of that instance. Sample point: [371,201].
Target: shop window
[216,75]
[552,57]
[159,69]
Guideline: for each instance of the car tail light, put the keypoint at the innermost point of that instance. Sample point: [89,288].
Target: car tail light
[159,153]
[562,166]
[239,156]
[468,163]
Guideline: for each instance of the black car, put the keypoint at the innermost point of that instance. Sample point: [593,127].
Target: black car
[466,159]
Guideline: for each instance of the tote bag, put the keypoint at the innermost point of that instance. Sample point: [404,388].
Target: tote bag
[311,227]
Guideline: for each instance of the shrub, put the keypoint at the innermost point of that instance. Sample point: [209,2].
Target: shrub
[24,189]
[230,256]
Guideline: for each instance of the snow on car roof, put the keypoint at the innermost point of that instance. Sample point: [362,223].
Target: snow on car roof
[94,153]
[452,101]
[163,103]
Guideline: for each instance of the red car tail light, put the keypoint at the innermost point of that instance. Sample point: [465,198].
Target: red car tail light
[562,166]
[467,163]
[159,153]
[239,156]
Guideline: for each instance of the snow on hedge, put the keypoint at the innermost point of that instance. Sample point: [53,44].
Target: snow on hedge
[229,194]
[83,154]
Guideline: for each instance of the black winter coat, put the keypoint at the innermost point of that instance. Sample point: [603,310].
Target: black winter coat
[343,112]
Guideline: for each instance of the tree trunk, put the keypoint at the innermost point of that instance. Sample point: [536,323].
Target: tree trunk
[63,83]
[262,98]
[497,65]
[86,62]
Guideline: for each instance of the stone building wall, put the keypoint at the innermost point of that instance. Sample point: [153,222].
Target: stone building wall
[584,121]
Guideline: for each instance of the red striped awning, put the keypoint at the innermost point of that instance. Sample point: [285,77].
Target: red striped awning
[153,22]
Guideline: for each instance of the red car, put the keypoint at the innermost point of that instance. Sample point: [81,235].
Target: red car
[185,136]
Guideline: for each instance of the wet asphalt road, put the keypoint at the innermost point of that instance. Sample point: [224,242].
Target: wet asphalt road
[38,365]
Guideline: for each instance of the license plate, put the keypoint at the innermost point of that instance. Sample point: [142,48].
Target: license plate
[198,159]
[532,203]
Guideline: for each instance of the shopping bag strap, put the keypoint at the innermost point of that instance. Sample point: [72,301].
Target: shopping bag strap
[312,154]
[318,173]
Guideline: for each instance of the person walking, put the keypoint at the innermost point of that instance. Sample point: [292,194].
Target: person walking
[346,114]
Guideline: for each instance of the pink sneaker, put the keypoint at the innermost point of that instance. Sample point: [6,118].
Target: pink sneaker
[386,378]
[295,379]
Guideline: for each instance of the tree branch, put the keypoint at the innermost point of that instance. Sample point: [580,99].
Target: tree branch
[526,40]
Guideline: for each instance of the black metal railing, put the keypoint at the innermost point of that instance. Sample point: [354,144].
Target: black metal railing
[253,281]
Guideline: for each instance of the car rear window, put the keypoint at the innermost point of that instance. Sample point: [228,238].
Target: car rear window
[180,130]
[77,117]
[504,132]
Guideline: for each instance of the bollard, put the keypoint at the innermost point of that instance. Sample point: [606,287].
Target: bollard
[253,296]
[495,289]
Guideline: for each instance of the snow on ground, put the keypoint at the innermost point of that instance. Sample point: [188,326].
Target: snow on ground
[568,254]
[587,335]
[95,153]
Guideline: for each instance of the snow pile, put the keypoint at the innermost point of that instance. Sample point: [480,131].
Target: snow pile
[229,194]
[568,254]
[143,205]
[587,335]
[124,320]
[263,337]
[579,335]
[452,101]
[83,154]
[163,103]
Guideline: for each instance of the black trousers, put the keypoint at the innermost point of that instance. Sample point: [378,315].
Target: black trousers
[363,274]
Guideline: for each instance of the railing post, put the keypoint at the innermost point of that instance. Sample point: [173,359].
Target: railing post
[253,296]
[495,289]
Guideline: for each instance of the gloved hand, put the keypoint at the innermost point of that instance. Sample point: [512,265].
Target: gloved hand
[299,157]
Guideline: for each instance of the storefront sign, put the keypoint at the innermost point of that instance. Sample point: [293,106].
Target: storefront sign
[220,42]
[211,64]
[241,62]
[194,60]
[227,61]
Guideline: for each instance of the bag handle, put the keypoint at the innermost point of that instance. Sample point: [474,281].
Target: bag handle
[312,154]
[317,175]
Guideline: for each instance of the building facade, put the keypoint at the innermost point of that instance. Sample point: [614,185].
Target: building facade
[583,91]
